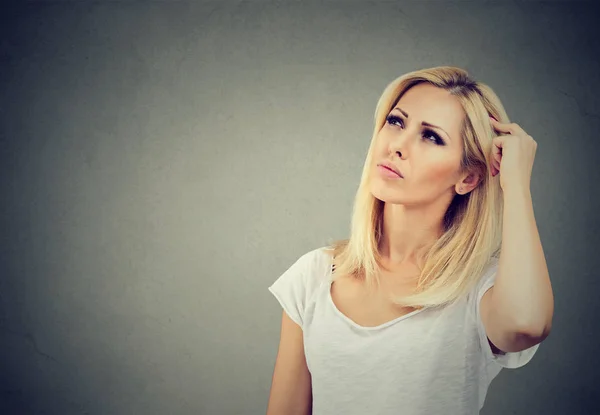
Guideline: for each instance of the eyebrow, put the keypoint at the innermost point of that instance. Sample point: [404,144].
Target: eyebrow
[425,123]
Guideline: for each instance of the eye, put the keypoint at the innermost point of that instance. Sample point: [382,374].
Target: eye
[393,119]
[434,137]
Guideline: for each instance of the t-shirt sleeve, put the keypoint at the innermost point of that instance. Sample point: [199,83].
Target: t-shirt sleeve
[509,360]
[291,289]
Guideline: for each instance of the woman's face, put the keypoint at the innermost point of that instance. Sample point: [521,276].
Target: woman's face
[427,157]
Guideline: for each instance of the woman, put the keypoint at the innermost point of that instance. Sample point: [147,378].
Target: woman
[443,281]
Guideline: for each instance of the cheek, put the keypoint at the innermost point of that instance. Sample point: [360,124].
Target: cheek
[438,173]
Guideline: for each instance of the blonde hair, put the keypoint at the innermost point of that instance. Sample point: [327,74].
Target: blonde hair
[452,265]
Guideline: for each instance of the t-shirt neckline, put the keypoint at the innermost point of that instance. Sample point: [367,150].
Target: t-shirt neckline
[348,320]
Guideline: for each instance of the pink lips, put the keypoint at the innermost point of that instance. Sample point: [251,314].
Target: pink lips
[388,173]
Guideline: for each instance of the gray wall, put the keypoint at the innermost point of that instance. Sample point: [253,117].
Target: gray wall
[162,164]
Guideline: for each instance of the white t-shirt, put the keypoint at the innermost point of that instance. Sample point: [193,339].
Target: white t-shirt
[430,361]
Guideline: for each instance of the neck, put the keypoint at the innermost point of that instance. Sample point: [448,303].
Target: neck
[408,232]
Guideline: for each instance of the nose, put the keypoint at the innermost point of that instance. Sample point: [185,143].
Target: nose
[400,142]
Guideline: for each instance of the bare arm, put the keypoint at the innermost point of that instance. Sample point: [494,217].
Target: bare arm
[517,311]
[291,389]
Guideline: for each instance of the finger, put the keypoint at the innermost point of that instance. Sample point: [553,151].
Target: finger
[502,127]
[497,144]
[496,155]
[510,128]
[496,165]
[495,171]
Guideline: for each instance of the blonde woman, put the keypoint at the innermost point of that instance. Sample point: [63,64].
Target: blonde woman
[443,281]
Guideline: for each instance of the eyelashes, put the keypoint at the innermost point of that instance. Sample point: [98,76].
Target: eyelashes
[391,119]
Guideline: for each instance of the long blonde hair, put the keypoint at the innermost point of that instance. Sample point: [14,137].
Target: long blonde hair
[450,266]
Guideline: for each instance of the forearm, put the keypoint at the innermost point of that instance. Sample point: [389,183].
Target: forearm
[522,290]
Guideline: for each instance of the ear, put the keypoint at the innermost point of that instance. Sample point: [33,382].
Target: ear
[467,183]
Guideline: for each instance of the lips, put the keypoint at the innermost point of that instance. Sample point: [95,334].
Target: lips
[391,167]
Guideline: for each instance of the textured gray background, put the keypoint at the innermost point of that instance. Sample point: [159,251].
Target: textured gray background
[161,164]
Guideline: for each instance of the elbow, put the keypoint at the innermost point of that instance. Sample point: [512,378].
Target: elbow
[532,334]
[537,329]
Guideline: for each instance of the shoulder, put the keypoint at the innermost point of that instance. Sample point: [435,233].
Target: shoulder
[295,287]
[315,268]
[317,263]
[308,270]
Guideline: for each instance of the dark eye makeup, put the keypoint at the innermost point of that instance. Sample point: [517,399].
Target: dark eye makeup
[392,119]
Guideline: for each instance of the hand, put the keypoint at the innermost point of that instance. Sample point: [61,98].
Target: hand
[513,155]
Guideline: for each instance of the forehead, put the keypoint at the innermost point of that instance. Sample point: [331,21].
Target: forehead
[425,102]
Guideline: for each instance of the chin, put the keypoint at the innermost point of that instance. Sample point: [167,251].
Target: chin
[386,194]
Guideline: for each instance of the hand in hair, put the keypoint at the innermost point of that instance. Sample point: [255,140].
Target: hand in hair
[513,155]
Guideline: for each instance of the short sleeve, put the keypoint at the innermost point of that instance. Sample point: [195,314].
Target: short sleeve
[291,289]
[509,360]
